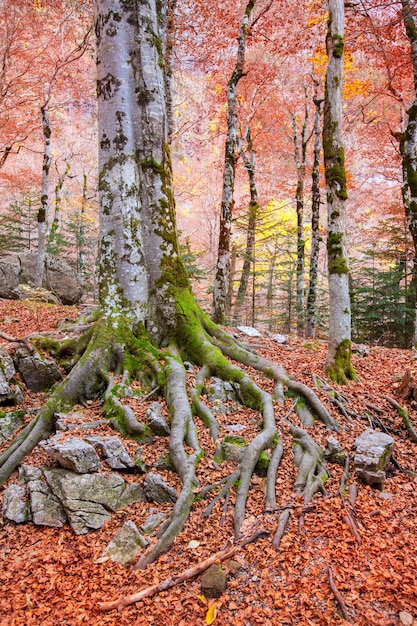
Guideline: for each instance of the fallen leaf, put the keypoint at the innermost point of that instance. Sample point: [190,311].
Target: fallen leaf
[212,612]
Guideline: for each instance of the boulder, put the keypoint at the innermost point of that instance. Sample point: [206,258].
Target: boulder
[113,451]
[46,509]
[15,505]
[9,423]
[38,373]
[373,452]
[213,581]
[124,546]
[20,268]
[88,499]
[334,452]
[157,490]
[26,292]
[72,453]
[7,371]
[156,421]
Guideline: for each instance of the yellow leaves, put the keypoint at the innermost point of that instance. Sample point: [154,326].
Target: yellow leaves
[37,5]
[212,612]
[352,85]
[355,87]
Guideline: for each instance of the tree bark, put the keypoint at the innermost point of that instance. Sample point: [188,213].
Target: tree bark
[338,363]
[43,209]
[300,152]
[311,311]
[408,146]
[222,273]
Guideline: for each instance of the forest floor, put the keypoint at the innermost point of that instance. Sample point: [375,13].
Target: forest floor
[50,576]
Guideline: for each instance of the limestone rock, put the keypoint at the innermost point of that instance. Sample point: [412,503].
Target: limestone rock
[38,373]
[373,452]
[88,499]
[15,505]
[74,454]
[20,269]
[46,509]
[157,490]
[113,451]
[9,423]
[249,331]
[233,448]
[26,292]
[334,452]
[213,581]
[156,421]
[124,546]
[152,521]
[7,371]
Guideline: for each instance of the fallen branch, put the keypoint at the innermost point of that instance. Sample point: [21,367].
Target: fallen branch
[227,552]
[403,413]
[338,596]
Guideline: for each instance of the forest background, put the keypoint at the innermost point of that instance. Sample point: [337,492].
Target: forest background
[47,73]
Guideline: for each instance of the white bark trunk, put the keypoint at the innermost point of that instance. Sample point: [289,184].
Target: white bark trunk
[137,220]
[43,209]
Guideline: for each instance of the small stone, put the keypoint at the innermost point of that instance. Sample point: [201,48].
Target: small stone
[15,506]
[385,496]
[152,522]
[406,619]
[156,421]
[234,567]
[124,546]
[249,331]
[213,581]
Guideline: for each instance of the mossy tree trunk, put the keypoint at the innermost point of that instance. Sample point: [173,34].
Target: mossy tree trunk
[408,144]
[338,363]
[42,217]
[148,321]
[250,164]
[300,154]
[311,310]
[222,272]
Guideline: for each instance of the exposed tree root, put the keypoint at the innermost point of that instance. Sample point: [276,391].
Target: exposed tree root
[108,347]
[338,596]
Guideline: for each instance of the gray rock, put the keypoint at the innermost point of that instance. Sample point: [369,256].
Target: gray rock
[73,453]
[213,581]
[38,373]
[152,521]
[334,452]
[88,499]
[7,371]
[113,451]
[9,423]
[156,421]
[139,463]
[281,339]
[28,472]
[133,493]
[15,505]
[249,331]
[373,452]
[20,268]
[125,546]
[157,490]
[26,292]
[46,509]
[233,448]
[221,391]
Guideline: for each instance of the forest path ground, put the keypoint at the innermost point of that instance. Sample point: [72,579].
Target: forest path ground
[50,576]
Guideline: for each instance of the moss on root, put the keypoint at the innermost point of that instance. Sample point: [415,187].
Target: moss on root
[341,370]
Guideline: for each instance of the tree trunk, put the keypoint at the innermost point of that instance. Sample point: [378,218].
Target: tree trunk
[300,151]
[43,209]
[311,311]
[250,235]
[338,363]
[408,145]
[222,273]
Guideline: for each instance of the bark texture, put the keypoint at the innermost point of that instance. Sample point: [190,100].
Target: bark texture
[338,365]
[222,273]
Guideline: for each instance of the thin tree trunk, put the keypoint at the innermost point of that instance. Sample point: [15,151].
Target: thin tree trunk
[408,146]
[311,312]
[250,164]
[43,209]
[57,204]
[222,273]
[338,363]
[300,150]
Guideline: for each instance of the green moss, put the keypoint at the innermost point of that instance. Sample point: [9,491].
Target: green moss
[338,46]
[263,461]
[235,440]
[342,370]
[337,263]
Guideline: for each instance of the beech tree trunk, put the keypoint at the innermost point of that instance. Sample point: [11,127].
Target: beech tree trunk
[338,363]
[250,164]
[311,311]
[43,208]
[300,152]
[222,272]
[408,145]
[139,255]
